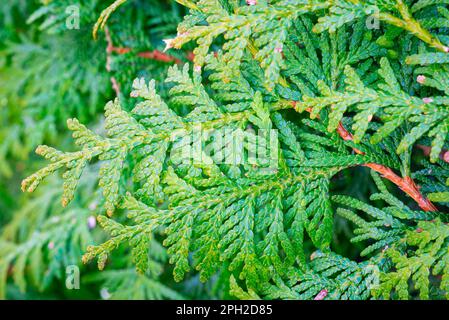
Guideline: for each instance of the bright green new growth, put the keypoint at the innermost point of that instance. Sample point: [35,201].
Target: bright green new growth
[267,224]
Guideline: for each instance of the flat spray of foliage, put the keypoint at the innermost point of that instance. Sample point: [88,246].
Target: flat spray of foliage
[340,94]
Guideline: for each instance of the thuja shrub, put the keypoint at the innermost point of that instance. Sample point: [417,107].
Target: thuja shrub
[248,167]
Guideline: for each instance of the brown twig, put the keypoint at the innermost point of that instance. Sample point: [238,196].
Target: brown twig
[109,49]
[152,55]
[115,86]
[406,184]
[158,56]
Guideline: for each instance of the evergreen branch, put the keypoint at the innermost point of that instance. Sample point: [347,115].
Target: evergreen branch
[411,25]
[253,220]
[344,11]
[406,184]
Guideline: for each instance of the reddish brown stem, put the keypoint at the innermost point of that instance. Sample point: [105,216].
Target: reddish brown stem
[406,184]
[158,56]
[115,86]
[152,55]
[109,49]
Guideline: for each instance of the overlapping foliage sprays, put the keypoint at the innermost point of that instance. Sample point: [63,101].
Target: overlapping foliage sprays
[51,69]
[353,90]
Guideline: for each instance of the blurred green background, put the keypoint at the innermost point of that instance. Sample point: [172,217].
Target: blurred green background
[52,69]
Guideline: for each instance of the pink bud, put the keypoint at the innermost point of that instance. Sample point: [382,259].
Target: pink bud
[427,100]
[51,245]
[446,156]
[446,49]
[197,69]
[321,295]
[278,49]
[91,222]
[420,79]
[251,2]
[370,117]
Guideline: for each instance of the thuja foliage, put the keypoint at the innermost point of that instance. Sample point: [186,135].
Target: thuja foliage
[326,89]
[51,69]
